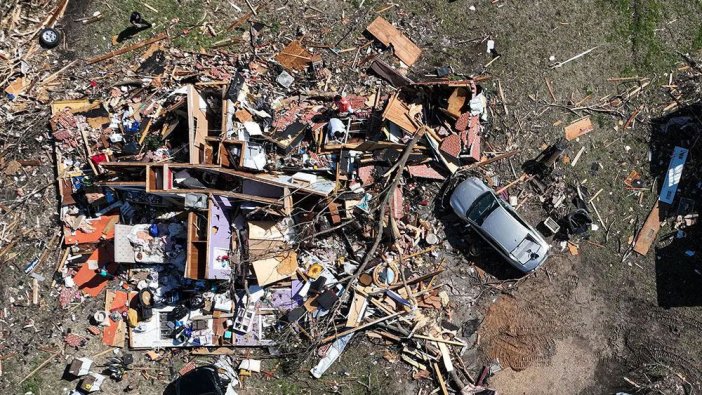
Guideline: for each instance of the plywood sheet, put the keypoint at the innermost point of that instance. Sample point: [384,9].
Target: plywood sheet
[275,269]
[397,112]
[295,57]
[578,128]
[407,51]
[456,101]
[649,231]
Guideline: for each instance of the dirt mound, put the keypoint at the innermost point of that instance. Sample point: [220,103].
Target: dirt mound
[516,335]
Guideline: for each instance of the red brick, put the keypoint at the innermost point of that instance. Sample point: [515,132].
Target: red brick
[425,171]
[365,173]
[462,122]
[451,146]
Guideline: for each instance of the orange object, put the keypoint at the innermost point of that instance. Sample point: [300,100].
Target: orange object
[115,334]
[89,281]
[649,231]
[578,128]
[101,232]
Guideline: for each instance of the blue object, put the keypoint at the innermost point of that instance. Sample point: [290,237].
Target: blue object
[77,183]
[153,230]
[133,127]
[109,195]
[31,265]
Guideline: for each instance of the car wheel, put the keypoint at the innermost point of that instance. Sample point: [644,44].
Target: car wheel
[49,38]
[474,244]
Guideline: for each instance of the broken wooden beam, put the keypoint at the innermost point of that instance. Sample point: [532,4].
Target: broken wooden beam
[126,49]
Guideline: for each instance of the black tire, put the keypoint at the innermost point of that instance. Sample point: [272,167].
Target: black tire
[49,38]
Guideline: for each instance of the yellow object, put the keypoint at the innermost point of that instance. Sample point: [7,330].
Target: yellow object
[315,270]
[132,318]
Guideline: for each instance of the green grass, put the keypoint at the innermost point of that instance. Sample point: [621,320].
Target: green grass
[178,17]
[647,47]
[33,385]
[697,40]
[638,24]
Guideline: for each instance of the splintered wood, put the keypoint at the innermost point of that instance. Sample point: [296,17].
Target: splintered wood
[295,57]
[126,49]
[386,33]
[456,101]
[649,231]
[578,128]
[398,112]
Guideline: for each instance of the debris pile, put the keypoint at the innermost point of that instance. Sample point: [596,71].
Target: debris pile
[211,202]
[224,201]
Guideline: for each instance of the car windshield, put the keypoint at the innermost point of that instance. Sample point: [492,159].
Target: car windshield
[482,208]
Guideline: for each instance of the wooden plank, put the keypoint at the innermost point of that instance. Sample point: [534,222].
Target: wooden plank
[578,128]
[404,48]
[356,311]
[358,328]
[649,231]
[439,340]
[440,378]
[194,267]
[217,192]
[456,101]
[117,184]
[391,75]
[397,112]
[491,160]
[197,125]
[454,83]
[215,351]
[240,21]
[126,49]
[446,357]
[295,57]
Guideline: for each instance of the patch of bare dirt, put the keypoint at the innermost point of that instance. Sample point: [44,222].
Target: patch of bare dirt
[559,375]
[518,335]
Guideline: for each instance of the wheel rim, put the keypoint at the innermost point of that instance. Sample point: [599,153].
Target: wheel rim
[49,36]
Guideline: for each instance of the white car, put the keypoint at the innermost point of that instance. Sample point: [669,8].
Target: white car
[496,222]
